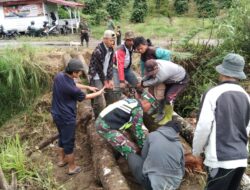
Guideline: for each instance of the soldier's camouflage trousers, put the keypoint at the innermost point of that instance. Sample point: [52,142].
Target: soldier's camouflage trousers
[116,138]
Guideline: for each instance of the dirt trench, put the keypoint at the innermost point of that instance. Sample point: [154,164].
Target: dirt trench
[38,126]
[86,156]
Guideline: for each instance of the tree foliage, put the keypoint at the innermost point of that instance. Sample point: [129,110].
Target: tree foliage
[206,8]
[235,29]
[114,9]
[90,6]
[140,10]
[224,3]
[181,6]
[100,16]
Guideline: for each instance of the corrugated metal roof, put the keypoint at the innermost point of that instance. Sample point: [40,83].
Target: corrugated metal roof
[59,2]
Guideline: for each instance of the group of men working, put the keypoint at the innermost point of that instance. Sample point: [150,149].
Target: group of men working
[156,159]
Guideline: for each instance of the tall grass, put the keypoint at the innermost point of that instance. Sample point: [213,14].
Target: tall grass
[159,27]
[13,159]
[22,78]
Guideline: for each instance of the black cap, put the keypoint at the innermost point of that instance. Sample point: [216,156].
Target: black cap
[74,65]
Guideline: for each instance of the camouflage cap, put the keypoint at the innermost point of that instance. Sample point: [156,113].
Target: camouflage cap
[147,96]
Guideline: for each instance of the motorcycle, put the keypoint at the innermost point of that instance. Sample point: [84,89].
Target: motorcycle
[10,34]
[65,29]
[51,30]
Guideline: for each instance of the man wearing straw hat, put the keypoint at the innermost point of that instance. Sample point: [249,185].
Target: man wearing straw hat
[223,127]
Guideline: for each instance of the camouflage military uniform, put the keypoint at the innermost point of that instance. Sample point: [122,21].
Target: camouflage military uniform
[116,119]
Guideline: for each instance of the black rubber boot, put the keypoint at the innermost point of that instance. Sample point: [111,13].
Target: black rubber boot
[160,112]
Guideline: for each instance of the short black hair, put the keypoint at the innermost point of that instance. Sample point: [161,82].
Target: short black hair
[140,41]
[71,72]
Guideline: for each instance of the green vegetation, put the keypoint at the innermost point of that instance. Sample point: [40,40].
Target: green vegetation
[152,29]
[114,8]
[206,8]
[140,10]
[13,159]
[21,80]
[235,29]
[181,6]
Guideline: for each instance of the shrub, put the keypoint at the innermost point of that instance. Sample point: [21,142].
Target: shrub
[100,16]
[181,6]
[234,29]
[206,8]
[90,7]
[225,3]
[140,10]
[114,9]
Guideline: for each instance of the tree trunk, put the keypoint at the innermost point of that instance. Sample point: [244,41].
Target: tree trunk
[44,143]
[105,166]
[187,129]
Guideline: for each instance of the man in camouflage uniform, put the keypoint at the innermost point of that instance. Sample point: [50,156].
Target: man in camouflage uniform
[122,116]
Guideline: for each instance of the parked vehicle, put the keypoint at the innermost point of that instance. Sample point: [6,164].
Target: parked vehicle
[9,34]
[35,32]
[65,29]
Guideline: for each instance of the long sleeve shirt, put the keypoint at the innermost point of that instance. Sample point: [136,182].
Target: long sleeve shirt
[223,126]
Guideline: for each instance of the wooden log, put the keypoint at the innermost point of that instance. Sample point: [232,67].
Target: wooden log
[13,181]
[3,182]
[44,143]
[187,131]
[106,169]
[85,66]
[66,58]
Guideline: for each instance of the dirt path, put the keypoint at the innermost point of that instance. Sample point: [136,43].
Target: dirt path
[160,42]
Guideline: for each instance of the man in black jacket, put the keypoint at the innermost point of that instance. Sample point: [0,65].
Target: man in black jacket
[101,69]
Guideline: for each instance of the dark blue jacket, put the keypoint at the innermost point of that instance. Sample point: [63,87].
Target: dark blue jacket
[65,97]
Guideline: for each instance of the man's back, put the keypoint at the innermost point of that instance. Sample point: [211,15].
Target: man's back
[224,117]
[165,153]
[231,107]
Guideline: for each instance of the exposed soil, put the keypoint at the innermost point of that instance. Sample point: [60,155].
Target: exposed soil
[36,126]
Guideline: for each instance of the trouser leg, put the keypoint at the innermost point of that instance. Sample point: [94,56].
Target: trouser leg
[66,137]
[235,183]
[118,140]
[223,179]
[131,77]
[99,102]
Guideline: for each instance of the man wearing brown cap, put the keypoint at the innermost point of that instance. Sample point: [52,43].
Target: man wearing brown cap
[101,69]
[122,63]
[223,127]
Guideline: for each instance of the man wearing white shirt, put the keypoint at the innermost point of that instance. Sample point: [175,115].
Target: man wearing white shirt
[223,127]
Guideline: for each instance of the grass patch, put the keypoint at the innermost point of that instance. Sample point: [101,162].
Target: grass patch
[153,27]
[13,159]
[22,79]
[160,27]
[60,38]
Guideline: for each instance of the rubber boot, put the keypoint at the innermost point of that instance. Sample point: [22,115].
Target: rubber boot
[160,112]
[61,157]
[73,168]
